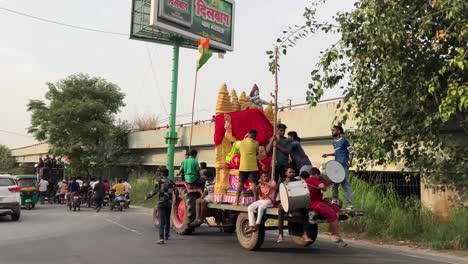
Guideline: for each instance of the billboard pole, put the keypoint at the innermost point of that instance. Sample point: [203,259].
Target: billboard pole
[171,136]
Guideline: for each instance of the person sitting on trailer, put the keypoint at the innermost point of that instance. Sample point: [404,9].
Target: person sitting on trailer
[324,208]
[267,187]
[290,176]
[207,197]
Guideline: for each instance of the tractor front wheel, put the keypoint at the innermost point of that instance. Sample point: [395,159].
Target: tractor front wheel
[183,212]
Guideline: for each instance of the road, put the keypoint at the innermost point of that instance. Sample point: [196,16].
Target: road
[52,234]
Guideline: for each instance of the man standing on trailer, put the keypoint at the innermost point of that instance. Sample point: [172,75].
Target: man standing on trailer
[344,155]
[282,152]
[248,168]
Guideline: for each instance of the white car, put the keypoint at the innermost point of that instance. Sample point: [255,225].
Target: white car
[10,200]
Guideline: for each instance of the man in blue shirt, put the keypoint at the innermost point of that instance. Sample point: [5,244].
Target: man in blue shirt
[344,155]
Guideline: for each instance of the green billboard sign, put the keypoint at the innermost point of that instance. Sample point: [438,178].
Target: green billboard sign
[194,19]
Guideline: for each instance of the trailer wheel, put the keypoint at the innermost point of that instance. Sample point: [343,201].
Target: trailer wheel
[252,241]
[183,212]
[296,230]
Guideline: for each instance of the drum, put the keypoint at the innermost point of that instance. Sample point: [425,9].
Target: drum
[294,195]
[335,171]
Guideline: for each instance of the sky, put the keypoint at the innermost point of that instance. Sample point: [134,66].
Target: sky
[34,52]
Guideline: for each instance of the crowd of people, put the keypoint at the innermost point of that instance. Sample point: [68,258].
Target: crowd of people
[93,191]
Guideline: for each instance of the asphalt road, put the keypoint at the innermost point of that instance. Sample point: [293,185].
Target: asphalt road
[52,234]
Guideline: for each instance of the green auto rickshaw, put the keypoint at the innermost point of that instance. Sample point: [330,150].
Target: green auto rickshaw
[29,193]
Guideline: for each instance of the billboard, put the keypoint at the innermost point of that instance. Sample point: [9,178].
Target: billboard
[194,19]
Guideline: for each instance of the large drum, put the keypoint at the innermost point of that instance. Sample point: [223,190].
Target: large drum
[294,195]
[335,171]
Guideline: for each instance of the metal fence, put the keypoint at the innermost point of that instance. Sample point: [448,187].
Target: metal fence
[403,184]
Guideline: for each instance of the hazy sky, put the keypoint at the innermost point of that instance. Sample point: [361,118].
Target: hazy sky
[33,52]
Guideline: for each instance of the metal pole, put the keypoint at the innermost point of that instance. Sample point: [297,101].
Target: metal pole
[275,113]
[171,136]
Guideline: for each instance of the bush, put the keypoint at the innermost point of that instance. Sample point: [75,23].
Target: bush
[388,217]
[143,183]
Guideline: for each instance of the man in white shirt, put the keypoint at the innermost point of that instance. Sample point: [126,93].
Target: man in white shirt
[79,181]
[128,187]
[43,184]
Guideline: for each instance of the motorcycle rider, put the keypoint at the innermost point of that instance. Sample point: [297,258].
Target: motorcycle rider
[128,190]
[99,194]
[74,189]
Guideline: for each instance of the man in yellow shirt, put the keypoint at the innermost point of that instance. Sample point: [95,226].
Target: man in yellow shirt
[119,188]
[248,149]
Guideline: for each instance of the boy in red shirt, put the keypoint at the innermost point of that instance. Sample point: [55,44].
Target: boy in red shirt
[324,208]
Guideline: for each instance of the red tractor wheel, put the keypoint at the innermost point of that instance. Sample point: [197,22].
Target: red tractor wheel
[183,212]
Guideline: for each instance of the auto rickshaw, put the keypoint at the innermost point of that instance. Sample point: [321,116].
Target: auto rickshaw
[29,193]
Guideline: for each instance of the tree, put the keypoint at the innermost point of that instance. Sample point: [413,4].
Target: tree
[403,66]
[7,161]
[77,118]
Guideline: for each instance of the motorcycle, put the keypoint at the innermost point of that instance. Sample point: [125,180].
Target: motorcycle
[119,203]
[105,201]
[74,202]
[91,198]
[127,198]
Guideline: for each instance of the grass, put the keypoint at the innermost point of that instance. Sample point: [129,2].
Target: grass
[389,218]
[142,184]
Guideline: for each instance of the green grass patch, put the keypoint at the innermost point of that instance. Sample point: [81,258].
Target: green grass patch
[142,184]
[389,218]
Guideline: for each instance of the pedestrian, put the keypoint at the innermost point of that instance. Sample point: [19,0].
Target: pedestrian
[344,155]
[166,190]
[283,150]
[297,153]
[191,170]
[248,168]
[99,193]
[43,186]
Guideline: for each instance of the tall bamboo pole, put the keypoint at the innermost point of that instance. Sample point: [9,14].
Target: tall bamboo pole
[275,112]
[193,109]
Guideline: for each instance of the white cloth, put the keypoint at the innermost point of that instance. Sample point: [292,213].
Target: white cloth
[80,182]
[128,187]
[262,205]
[43,185]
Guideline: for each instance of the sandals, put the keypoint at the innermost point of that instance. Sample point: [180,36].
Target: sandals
[161,242]
[252,229]
[280,239]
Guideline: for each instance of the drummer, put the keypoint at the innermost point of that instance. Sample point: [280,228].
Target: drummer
[324,208]
[290,176]
[344,155]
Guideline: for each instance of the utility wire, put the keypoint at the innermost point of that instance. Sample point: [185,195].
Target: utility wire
[155,77]
[14,133]
[62,24]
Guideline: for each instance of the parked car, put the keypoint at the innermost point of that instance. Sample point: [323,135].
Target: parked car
[10,199]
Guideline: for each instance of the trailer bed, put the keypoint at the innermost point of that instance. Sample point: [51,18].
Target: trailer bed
[238,208]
